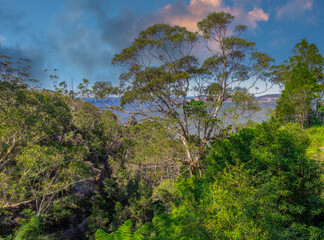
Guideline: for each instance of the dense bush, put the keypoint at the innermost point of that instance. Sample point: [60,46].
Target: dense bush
[259,184]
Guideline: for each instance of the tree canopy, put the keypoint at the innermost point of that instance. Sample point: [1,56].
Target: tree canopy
[162,71]
[185,165]
[302,78]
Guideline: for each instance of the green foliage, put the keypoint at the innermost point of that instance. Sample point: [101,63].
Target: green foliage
[215,21]
[194,107]
[47,143]
[278,155]
[43,172]
[295,103]
[85,117]
[304,53]
[102,235]
[160,71]
[29,117]
[316,136]
[302,76]
[231,207]
[31,156]
[32,230]
[61,210]
[309,55]
[98,130]
[166,191]
[124,232]
[59,155]
[259,184]
[153,151]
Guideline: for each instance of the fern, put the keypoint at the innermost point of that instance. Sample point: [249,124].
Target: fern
[102,235]
[124,232]
[30,230]
[139,233]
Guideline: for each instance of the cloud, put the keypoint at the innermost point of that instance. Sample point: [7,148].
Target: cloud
[187,15]
[85,36]
[294,9]
[257,14]
[14,26]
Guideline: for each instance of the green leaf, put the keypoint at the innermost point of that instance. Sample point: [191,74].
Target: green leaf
[102,235]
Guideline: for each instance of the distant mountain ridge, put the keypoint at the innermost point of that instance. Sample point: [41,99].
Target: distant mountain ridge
[268,98]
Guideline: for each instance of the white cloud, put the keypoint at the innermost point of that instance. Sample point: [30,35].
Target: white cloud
[257,14]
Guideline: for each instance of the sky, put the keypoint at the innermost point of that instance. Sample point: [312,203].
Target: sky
[80,37]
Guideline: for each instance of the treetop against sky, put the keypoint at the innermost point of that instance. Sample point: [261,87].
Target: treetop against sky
[80,37]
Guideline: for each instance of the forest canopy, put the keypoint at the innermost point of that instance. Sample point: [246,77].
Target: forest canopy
[180,167]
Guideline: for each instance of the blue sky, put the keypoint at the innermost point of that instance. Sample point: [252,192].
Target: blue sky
[80,37]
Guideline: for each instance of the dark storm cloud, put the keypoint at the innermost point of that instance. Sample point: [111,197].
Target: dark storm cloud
[86,34]
[82,38]
[120,31]
[76,41]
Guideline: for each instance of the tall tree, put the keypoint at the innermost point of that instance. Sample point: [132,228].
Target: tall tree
[302,52]
[295,102]
[161,72]
[308,55]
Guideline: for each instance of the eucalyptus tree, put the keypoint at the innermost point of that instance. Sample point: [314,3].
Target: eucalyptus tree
[308,53]
[303,52]
[307,58]
[301,89]
[161,71]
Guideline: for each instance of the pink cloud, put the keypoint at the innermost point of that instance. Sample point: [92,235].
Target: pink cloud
[187,15]
[191,14]
[257,14]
